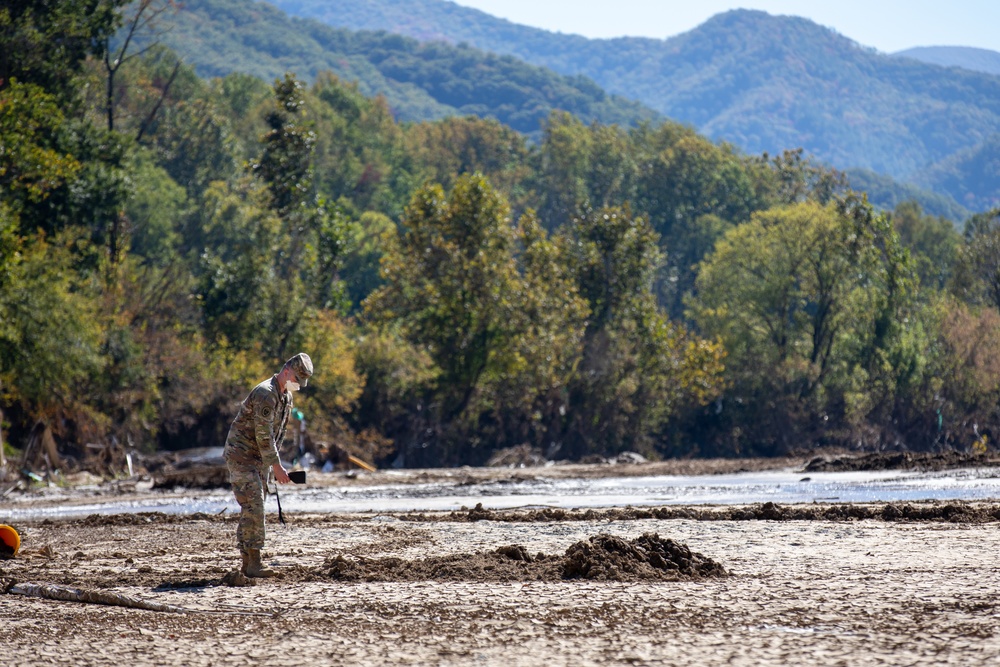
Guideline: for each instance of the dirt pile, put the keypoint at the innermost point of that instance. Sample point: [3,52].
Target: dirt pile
[601,558]
[923,461]
[646,558]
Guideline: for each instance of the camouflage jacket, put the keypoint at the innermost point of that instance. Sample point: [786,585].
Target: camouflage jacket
[259,428]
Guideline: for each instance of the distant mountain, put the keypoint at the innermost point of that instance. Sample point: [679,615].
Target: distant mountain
[967,57]
[761,82]
[419,81]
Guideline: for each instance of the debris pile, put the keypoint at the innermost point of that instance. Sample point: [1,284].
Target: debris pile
[923,461]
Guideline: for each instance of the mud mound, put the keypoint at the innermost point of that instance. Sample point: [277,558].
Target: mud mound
[144,518]
[602,558]
[136,519]
[902,461]
[496,565]
[647,558]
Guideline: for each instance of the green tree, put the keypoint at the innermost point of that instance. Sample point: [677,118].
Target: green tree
[612,179]
[950,396]
[977,271]
[188,126]
[238,279]
[693,191]
[637,368]
[32,163]
[360,155]
[805,298]
[45,42]
[495,308]
[50,334]
[796,178]
[310,242]
[44,45]
[448,148]
[156,211]
[531,398]
[565,167]
[453,284]
[364,250]
[932,241]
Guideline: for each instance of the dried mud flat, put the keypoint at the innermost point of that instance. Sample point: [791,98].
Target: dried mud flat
[761,585]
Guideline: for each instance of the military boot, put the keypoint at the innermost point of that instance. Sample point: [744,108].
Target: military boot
[254,567]
[246,561]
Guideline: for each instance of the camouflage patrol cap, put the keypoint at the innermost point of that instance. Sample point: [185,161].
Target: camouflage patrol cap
[302,366]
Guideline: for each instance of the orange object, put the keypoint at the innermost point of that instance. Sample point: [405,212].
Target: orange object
[10,537]
[361,464]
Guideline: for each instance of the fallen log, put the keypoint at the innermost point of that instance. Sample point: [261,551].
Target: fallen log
[69,594]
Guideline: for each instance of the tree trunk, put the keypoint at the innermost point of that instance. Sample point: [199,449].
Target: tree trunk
[3,457]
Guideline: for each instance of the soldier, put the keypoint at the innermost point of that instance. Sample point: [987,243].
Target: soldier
[252,448]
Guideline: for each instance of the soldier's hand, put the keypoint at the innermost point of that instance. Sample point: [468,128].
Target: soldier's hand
[280,474]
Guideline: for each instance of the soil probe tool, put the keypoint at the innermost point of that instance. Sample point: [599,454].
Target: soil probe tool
[297,476]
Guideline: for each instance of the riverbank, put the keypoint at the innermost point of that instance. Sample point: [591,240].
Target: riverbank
[820,592]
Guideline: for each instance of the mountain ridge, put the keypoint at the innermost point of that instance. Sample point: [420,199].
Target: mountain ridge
[966,57]
[763,83]
[418,80]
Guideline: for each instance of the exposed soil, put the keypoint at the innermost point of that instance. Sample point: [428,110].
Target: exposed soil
[607,590]
[601,558]
[765,584]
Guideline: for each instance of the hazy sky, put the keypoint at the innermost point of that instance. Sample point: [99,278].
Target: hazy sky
[888,25]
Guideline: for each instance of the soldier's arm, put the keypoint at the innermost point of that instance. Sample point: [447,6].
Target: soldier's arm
[264,413]
[281,431]
[280,474]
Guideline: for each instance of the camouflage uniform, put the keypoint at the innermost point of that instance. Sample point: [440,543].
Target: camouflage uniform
[252,448]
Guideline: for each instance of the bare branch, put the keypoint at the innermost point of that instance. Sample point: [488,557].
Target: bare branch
[159,102]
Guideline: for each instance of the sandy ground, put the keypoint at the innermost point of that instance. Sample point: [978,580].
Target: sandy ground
[797,592]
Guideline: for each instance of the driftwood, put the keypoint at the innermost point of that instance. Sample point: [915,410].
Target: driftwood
[41,447]
[198,476]
[68,594]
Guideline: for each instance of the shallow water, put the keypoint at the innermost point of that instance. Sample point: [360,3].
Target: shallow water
[782,487]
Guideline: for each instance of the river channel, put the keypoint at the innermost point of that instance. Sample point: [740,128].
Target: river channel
[780,486]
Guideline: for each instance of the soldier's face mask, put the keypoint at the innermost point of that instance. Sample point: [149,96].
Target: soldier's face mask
[292,385]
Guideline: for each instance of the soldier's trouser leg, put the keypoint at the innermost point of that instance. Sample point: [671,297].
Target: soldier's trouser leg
[248,487]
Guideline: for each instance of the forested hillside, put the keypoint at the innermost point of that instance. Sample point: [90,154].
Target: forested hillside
[763,83]
[971,176]
[167,240]
[420,82]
